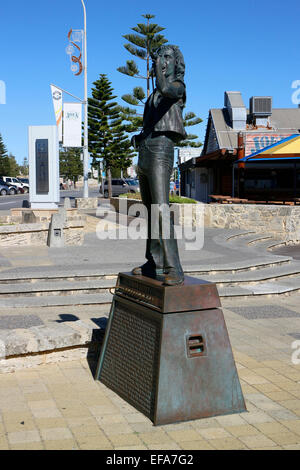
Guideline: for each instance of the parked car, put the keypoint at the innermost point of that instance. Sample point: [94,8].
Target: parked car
[120,186]
[24,180]
[16,182]
[12,189]
[4,190]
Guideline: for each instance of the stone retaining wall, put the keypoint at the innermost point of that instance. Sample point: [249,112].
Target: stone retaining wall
[191,214]
[280,222]
[41,215]
[36,234]
[86,203]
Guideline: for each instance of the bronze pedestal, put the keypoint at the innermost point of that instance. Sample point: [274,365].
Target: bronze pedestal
[166,351]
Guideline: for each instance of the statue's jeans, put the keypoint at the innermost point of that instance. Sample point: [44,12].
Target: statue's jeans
[155,165]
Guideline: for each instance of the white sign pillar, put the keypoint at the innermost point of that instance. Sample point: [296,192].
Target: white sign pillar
[43,167]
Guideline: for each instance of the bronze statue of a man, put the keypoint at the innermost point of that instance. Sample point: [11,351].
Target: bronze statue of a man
[162,128]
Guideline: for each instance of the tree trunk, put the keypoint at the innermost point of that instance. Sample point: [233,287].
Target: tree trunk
[108,171]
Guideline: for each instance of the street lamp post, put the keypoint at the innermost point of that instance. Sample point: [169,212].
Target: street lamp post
[85,103]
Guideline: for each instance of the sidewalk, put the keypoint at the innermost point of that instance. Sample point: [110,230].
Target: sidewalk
[60,406]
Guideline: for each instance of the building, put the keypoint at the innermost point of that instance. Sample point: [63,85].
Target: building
[233,133]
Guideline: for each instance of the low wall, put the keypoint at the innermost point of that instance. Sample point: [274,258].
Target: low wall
[190,214]
[280,222]
[36,234]
[41,215]
[21,348]
[86,203]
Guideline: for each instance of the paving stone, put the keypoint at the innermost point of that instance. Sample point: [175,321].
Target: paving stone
[15,425]
[116,428]
[196,445]
[136,418]
[81,421]
[3,443]
[27,446]
[291,447]
[229,443]
[265,311]
[65,444]
[231,420]
[258,417]
[99,410]
[94,443]
[279,396]
[112,419]
[214,433]
[131,448]
[244,430]
[281,415]
[257,441]
[271,428]
[155,437]
[129,439]
[293,425]
[167,446]
[87,430]
[52,434]
[44,423]
[285,438]
[185,435]
[26,436]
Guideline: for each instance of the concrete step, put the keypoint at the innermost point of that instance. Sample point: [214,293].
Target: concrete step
[101,285]
[281,272]
[264,288]
[56,287]
[272,288]
[98,293]
[47,275]
[56,300]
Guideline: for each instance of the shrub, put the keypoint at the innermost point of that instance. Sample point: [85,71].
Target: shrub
[173,199]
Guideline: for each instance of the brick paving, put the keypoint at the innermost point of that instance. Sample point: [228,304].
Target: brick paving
[60,406]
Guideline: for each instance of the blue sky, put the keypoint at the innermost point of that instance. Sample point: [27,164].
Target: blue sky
[252,46]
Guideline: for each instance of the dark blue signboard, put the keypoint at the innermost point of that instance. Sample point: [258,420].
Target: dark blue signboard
[42,166]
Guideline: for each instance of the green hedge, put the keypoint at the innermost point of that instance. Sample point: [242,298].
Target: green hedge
[173,199]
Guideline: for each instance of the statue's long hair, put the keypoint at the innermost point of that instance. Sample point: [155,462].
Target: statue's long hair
[180,65]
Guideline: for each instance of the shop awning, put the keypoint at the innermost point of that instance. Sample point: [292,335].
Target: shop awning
[288,148]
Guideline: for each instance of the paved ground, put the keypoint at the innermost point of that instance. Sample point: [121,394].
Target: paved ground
[60,406]
[118,252]
[293,251]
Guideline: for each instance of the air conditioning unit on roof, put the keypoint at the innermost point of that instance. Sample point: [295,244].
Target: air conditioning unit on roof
[261,105]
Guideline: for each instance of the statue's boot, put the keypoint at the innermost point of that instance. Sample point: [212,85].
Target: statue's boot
[147,269]
[173,278]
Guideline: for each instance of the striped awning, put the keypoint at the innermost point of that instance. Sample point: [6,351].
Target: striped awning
[286,149]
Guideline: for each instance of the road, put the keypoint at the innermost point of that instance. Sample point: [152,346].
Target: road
[10,202]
